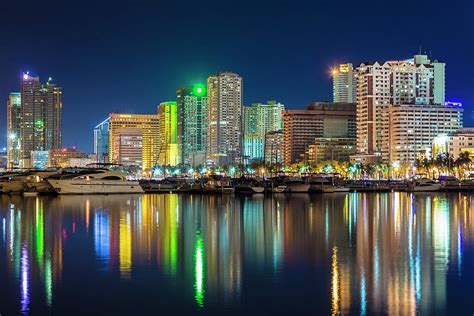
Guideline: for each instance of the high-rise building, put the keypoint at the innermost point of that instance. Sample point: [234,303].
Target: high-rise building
[413,127]
[259,119]
[192,123]
[319,120]
[380,85]
[101,141]
[125,142]
[273,147]
[224,97]
[41,121]
[344,84]
[168,134]
[13,129]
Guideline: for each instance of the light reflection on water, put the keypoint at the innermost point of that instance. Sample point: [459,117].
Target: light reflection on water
[392,253]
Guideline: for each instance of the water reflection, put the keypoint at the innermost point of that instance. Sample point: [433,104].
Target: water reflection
[390,253]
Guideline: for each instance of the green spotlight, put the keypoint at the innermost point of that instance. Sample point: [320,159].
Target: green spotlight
[199,90]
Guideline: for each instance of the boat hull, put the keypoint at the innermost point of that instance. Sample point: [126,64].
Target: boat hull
[297,188]
[95,186]
[10,187]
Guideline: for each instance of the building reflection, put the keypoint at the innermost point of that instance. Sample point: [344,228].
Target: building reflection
[380,252]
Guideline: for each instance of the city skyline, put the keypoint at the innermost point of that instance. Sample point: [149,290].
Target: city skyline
[138,79]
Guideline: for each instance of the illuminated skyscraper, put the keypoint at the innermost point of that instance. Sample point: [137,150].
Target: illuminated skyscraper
[380,85]
[101,141]
[41,120]
[259,119]
[132,135]
[344,84]
[168,134]
[192,122]
[13,129]
[224,97]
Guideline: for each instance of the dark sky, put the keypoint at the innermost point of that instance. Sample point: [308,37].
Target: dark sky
[128,56]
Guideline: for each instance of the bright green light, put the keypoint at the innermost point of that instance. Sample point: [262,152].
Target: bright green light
[199,90]
[39,124]
[199,270]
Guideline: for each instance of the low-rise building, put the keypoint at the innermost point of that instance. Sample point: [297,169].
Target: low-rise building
[324,149]
[61,158]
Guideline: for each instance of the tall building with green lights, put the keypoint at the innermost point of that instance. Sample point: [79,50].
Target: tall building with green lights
[13,130]
[168,134]
[41,117]
[224,108]
[192,123]
[260,119]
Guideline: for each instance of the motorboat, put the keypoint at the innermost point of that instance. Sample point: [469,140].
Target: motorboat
[94,181]
[295,185]
[467,184]
[449,183]
[11,183]
[423,185]
[160,186]
[37,182]
[217,185]
[249,186]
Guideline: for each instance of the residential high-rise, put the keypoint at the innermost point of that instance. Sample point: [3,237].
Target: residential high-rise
[168,134]
[13,130]
[224,97]
[132,133]
[273,147]
[192,123]
[259,119]
[412,128]
[101,141]
[380,85]
[344,84]
[41,121]
[320,120]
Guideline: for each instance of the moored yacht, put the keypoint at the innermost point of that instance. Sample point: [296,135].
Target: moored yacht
[94,181]
[424,185]
[295,185]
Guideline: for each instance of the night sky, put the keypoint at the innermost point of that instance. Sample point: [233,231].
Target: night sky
[128,56]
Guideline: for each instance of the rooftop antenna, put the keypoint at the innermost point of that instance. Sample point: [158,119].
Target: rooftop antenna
[419,50]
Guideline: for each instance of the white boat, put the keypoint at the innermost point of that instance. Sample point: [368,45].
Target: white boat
[95,181]
[424,185]
[295,185]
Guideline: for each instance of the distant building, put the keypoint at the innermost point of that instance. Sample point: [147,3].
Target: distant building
[320,120]
[412,128]
[14,130]
[381,85]
[61,158]
[273,147]
[128,146]
[168,134]
[325,149]
[192,123]
[39,159]
[455,143]
[259,119]
[253,148]
[125,126]
[224,97]
[102,141]
[3,159]
[344,84]
[41,117]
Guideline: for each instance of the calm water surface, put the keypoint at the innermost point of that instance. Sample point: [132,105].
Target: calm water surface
[390,253]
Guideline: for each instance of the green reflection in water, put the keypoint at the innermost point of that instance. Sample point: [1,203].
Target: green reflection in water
[39,232]
[199,270]
[48,281]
